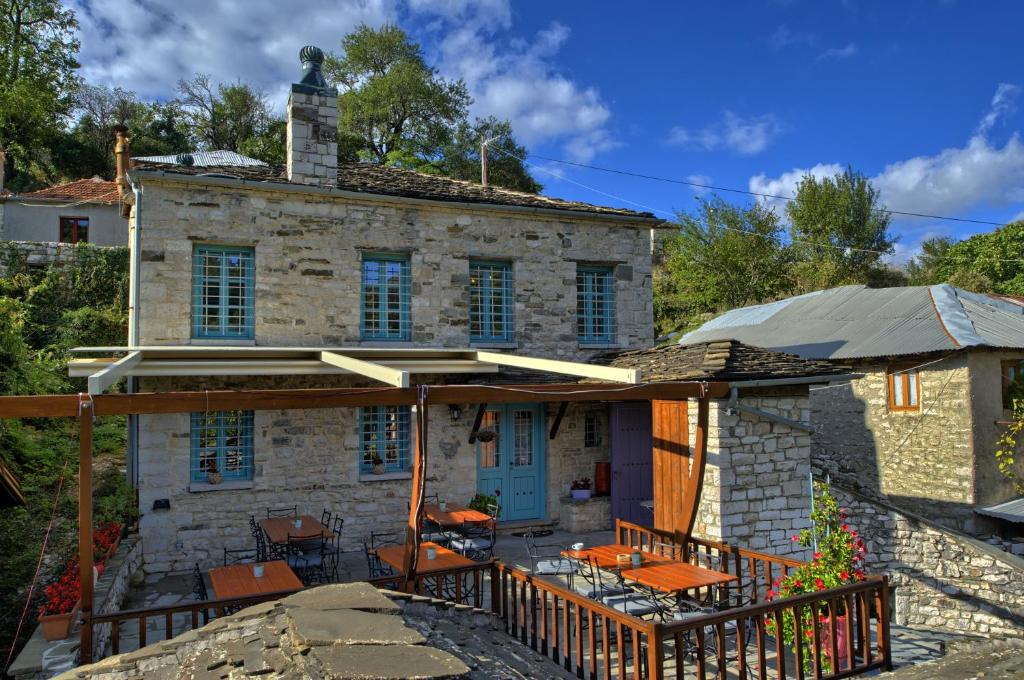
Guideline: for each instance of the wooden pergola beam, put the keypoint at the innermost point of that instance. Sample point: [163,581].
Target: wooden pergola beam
[630,376]
[101,380]
[66,405]
[85,548]
[391,376]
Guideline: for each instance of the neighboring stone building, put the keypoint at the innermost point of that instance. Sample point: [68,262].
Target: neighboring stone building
[83,211]
[919,429]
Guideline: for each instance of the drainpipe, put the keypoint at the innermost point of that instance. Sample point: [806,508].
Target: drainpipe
[135,251]
[734,405]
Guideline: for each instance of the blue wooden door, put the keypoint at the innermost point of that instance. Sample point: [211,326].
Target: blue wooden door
[511,463]
[629,432]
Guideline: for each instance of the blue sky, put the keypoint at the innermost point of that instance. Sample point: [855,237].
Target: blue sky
[920,95]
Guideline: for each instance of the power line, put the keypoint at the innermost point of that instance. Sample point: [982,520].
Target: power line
[712,187]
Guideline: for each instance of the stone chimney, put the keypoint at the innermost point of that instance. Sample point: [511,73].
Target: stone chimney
[313,124]
[120,157]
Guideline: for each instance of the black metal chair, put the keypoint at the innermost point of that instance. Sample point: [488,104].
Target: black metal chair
[616,594]
[292,511]
[199,590]
[325,517]
[308,563]
[546,558]
[332,548]
[259,538]
[243,556]
[475,540]
[375,567]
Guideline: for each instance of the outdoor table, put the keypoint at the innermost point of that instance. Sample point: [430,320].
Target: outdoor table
[656,571]
[278,529]
[446,559]
[454,515]
[237,580]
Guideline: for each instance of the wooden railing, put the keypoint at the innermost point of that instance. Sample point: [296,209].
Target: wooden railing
[471,585]
[198,610]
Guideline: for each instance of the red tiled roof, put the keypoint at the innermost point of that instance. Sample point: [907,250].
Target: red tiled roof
[93,190]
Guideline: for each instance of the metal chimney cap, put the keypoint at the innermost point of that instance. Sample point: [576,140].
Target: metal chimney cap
[311,55]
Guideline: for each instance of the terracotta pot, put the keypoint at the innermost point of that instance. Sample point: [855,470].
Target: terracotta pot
[213,477]
[58,626]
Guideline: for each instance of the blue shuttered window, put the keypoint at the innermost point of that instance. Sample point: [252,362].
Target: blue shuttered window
[222,442]
[384,434]
[595,304]
[490,301]
[222,292]
[384,300]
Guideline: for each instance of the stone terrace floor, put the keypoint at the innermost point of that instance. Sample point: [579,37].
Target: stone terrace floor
[910,645]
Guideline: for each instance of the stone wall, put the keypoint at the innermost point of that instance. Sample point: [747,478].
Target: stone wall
[582,516]
[938,461]
[308,251]
[38,254]
[945,579]
[310,458]
[755,491]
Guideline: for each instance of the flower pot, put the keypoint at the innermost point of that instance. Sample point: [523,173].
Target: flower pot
[580,494]
[58,626]
[379,469]
[213,477]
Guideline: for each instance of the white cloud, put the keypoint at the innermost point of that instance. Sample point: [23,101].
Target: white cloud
[844,52]
[1003,104]
[783,37]
[746,136]
[699,179]
[148,46]
[785,184]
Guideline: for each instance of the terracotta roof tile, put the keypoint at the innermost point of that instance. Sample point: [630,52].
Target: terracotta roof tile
[95,190]
[371,178]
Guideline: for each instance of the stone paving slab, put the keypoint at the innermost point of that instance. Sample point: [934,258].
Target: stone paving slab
[312,628]
[354,662]
[359,596]
[991,660]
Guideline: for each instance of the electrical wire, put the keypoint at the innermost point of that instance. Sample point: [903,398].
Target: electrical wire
[902,370]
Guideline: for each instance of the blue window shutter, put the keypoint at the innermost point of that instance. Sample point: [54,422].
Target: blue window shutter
[384,300]
[595,305]
[223,292]
[222,440]
[384,431]
[490,301]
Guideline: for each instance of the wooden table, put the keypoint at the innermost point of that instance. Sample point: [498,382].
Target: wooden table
[394,555]
[237,580]
[657,571]
[278,529]
[454,515]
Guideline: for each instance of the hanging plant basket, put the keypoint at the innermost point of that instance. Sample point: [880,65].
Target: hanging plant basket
[58,626]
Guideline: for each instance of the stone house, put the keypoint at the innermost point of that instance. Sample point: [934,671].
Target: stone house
[83,211]
[919,427]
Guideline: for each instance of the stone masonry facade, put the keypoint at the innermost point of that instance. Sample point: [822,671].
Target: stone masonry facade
[312,144]
[938,461]
[944,579]
[755,491]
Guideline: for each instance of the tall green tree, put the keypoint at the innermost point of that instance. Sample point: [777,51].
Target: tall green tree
[992,262]
[392,105]
[233,117]
[722,256]
[38,44]
[460,158]
[840,231]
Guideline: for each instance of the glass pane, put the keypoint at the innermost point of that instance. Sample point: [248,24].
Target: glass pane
[898,395]
[490,451]
[912,381]
[523,430]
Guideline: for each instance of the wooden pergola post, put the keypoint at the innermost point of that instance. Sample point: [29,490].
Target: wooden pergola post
[419,477]
[85,544]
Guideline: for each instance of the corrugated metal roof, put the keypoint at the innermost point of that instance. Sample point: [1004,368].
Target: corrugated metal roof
[1012,511]
[204,159]
[857,322]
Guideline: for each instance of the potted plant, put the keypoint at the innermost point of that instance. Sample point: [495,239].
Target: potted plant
[581,489]
[378,465]
[213,475]
[838,560]
[59,610]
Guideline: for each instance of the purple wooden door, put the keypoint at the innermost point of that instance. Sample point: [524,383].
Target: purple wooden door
[629,432]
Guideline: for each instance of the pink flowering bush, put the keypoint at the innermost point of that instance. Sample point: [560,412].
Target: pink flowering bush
[839,560]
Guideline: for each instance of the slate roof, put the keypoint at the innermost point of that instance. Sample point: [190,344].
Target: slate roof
[92,190]
[853,322]
[371,178]
[721,360]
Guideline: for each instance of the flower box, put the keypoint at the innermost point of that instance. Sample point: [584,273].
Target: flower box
[58,626]
[580,494]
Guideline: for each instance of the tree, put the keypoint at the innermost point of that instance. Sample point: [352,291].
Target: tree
[38,45]
[988,263]
[392,106]
[722,256]
[839,230]
[232,117]
[460,158]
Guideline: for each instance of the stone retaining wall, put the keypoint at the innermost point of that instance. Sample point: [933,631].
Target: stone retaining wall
[944,579]
[40,253]
[593,514]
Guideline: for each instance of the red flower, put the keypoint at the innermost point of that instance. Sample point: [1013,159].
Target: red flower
[843,576]
[795,539]
[819,583]
[817,555]
[770,594]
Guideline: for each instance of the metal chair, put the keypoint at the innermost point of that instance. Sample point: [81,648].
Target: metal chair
[617,595]
[332,548]
[258,536]
[493,510]
[292,511]
[375,567]
[475,540]
[199,590]
[585,580]
[310,563]
[243,556]
[325,517]
[546,559]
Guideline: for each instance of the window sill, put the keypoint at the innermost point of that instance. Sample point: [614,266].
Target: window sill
[384,342]
[203,487]
[386,477]
[600,345]
[223,342]
[488,344]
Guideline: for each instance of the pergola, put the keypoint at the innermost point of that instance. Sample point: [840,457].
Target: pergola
[679,471]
